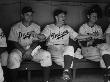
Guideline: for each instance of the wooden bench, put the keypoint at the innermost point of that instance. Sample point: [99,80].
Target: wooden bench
[83,63]
[30,66]
[77,64]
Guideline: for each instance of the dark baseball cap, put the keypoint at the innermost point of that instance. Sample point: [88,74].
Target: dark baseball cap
[95,9]
[59,11]
[27,9]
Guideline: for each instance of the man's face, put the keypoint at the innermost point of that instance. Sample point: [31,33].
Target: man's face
[60,18]
[93,17]
[28,16]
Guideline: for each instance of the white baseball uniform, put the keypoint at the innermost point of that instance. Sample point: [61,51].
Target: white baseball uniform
[91,53]
[24,36]
[4,55]
[105,48]
[57,41]
[1,74]
[3,43]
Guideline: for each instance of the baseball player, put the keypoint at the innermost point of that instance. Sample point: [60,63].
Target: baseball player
[3,54]
[25,35]
[91,50]
[57,36]
[105,52]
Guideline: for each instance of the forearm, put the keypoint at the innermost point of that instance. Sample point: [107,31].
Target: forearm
[80,37]
[2,49]
[19,47]
[34,45]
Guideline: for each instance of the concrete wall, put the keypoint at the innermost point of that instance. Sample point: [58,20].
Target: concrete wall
[10,12]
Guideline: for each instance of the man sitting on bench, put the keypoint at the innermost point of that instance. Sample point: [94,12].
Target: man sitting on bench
[25,35]
[57,35]
[89,47]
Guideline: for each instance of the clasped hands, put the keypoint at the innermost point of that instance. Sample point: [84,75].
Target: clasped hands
[27,55]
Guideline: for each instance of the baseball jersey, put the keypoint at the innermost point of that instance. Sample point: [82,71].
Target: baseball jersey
[2,39]
[86,29]
[58,35]
[108,29]
[24,35]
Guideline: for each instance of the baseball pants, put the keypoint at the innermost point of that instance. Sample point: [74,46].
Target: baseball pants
[41,56]
[59,51]
[4,58]
[93,54]
[1,74]
[105,53]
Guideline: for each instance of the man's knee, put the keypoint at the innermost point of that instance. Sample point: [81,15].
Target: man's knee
[69,50]
[47,55]
[46,59]
[13,60]
[13,55]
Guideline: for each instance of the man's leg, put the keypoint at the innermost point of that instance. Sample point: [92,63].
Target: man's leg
[68,59]
[106,58]
[4,57]
[1,74]
[46,74]
[13,64]
[67,64]
[45,60]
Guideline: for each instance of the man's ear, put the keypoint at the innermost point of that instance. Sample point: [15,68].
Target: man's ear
[88,16]
[22,16]
[56,18]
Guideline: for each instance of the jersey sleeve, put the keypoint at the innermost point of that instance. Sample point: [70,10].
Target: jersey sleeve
[37,28]
[73,34]
[108,29]
[13,36]
[100,30]
[46,31]
[82,30]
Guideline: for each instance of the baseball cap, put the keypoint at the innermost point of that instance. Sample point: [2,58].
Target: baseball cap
[27,9]
[95,9]
[59,11]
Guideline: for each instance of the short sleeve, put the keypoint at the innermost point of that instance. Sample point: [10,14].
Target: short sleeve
[100,30]
[46,31]
[108,29]
[37,28]
[82,30]
[73,34]
[13,36]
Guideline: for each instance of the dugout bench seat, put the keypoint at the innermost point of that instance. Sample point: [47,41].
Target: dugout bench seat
[77,64]
[83,63]
[30,66]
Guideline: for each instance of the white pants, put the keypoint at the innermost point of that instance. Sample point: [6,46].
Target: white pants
[41,56]
[1,74]
[93,54]
[4,58]
[104,49]
[58,52]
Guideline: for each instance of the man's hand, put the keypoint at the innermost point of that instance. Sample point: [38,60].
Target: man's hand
[27,55]
[41,37]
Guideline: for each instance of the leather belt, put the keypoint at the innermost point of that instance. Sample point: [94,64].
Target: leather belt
[59,44]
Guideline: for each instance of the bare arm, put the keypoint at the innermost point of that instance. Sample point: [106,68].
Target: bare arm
[19,47]
[83,37]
